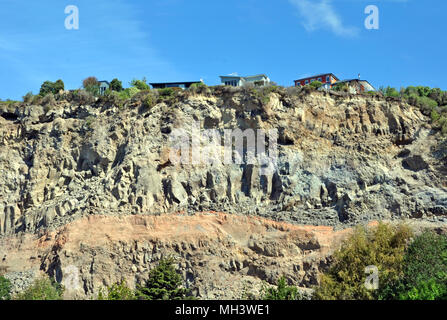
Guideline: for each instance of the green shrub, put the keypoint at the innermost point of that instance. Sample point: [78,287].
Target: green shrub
[434,116]
[424,271]
[316,84]
[164,283]
[389,92]
[140,84]
[167,95]
[426,258]
[128,93]
[166,92]
[382,247]
[117,291]
[425,290]
[51,87]
[426,104]
[116,85]
[5,288]
[281,292]
[42,289]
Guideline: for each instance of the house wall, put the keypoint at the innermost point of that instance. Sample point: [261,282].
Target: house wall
[237,79]
[323,80]
[240,81]
[103,87]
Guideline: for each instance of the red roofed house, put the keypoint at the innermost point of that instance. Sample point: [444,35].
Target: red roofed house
[327,79]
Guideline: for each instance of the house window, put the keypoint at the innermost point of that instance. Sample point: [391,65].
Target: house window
[306,82]
[319,79]
[312,80]
[328,79]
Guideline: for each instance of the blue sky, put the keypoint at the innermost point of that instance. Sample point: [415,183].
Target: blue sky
[179,40]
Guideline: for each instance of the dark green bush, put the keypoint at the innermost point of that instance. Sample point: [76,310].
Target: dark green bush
[51,87]
[164,283]
[426,258]
[116,85]
[424,271]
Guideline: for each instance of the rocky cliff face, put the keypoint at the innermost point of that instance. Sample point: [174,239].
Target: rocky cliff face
[342,160]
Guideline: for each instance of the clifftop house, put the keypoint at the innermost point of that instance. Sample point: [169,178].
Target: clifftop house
[183,85]
[357,85]
[238,81]
[103,86]
[327,79]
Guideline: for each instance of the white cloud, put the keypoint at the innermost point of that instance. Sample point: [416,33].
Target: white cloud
[320,14]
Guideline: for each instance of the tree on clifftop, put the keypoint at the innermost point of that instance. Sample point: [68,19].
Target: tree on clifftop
[91,84]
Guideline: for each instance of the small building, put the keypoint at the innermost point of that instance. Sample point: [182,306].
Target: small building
[327,79]
[238,81]
[103,86]
[183,85]
[356,85]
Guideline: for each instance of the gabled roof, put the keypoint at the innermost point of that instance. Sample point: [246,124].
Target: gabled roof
[105,81]
[319,75]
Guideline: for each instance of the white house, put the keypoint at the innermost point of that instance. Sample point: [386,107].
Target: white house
[238,81]
[356,85]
